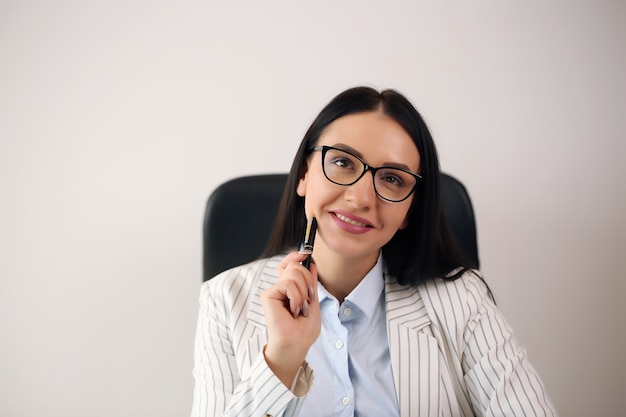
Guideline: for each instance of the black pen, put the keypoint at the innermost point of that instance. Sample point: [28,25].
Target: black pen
[309,238]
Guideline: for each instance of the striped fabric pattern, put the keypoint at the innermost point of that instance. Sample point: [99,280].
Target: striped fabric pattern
[452,352]
[232,378]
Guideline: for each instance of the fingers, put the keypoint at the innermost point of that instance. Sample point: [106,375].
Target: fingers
[293,293]
[292,312]
[297,284]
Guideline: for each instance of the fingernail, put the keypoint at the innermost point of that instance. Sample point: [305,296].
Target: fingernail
[305,252]
[311,294]
[305,309]
[296,313]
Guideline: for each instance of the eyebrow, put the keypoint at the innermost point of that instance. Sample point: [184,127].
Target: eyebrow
[360,155]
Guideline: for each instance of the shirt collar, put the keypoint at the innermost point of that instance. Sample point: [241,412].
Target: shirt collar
[366,295]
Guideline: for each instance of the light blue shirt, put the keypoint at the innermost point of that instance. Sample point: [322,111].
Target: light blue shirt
[350,358]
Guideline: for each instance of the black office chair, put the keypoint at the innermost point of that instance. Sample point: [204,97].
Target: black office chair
[240,215]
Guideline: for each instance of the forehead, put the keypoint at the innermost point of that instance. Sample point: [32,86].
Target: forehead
[377,137]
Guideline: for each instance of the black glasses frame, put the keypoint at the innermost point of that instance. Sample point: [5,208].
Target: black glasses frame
[366,167]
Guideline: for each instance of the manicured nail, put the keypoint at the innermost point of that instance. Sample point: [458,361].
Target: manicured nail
[296,313]
[311,294]
[305,309]
[305,251]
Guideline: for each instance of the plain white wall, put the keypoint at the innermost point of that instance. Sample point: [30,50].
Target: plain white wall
[117,119]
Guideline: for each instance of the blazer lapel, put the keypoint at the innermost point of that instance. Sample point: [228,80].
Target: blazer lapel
[414,351]
[255,312]
[255,332]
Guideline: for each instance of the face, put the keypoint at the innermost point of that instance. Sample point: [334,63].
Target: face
[353,221]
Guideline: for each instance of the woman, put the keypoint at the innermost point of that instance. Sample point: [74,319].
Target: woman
[390,320]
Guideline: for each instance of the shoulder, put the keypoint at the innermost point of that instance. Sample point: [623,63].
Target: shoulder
[467,288]
[456,301]
[241,281]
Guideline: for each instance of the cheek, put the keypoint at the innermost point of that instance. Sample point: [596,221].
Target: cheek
[403,217]
[323,197]
[314,185]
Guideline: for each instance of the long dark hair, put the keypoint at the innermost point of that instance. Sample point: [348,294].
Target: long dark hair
[424,249]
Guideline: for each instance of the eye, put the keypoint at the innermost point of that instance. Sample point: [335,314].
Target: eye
[391,179]
[343,162]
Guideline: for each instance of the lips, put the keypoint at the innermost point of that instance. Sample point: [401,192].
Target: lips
[351,221]
[346,217]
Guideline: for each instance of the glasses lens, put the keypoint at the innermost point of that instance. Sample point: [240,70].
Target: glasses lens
[344,168]
[393,184]
[341,167]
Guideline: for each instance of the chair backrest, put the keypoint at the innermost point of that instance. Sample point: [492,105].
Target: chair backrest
[240,214]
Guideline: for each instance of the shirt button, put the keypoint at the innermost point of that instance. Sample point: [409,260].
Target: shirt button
[346,400]
[347,311]
[339,344]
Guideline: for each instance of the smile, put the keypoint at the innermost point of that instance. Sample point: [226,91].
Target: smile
[350,221]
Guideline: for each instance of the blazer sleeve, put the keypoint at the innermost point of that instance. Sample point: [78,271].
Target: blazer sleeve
[498,379]
[223,385]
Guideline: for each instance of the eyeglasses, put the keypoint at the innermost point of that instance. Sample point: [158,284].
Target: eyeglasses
[344,168]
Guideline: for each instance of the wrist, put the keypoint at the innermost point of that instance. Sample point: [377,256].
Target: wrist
[284,363]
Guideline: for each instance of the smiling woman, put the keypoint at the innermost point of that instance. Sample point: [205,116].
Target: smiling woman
[345,206]
[390,319]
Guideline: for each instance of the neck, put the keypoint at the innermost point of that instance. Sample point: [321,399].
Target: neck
[340,275]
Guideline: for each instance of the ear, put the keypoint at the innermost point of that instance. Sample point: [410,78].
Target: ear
[301,189]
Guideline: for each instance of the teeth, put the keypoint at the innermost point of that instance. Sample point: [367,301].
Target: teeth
[347,220]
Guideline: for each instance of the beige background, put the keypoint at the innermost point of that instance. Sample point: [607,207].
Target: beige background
[117,119]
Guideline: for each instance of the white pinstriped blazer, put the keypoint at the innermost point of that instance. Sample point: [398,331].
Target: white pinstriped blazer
[452,352]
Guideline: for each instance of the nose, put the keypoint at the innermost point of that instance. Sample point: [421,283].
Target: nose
[362,192]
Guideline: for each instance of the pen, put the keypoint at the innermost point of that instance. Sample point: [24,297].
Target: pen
[309,238]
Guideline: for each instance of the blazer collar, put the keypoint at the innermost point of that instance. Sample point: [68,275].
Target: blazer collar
[404,305]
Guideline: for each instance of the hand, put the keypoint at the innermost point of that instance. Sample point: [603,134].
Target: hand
[292,315]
